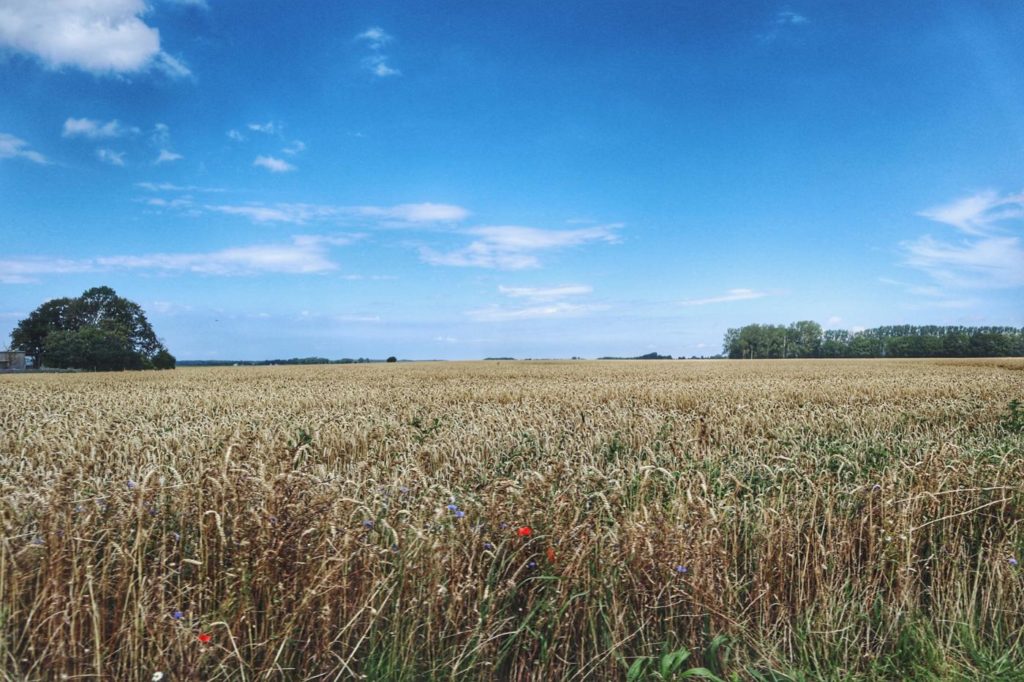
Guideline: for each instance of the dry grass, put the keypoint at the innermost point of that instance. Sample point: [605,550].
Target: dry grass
[836,519]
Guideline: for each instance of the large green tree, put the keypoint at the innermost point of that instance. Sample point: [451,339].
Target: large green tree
[98,330]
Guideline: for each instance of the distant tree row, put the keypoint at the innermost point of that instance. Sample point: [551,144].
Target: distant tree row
[99,330]
[806,339]
[290,361]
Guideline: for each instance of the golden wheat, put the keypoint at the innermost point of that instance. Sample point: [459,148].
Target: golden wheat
[842,518]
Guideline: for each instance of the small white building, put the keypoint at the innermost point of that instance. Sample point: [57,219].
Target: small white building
[12,359]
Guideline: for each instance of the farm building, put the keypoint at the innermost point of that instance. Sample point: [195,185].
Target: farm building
[12,359]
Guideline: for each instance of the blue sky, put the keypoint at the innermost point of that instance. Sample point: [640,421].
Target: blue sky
[536,179]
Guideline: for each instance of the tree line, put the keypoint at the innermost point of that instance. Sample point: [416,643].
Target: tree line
[97,331]
[807,339]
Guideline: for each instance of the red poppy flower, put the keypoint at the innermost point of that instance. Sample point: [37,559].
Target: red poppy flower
[205,638]
[551,554]
[524,531]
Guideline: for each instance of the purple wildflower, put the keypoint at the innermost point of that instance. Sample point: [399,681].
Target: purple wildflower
[368,523]
[682,569]
[459,513]
[452,507]
[1013,561]
[532,564]
[488,546]
[131,484]
[177,615]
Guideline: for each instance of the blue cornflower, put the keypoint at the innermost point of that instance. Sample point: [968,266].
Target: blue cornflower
[177,615]
[452,507]
[681,569]
[532,564]
[459,513]
[488,546]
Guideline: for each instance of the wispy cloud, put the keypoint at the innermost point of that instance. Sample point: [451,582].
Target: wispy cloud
[377,64]
[375,38]
[990,262]
[727,297]
[783,20]
[304,255]
[512,247]
[546,311]
[415,213]
[12,147]
[96,130]
[979,213]
[166,155]
[110,156]
[268,128]
[28,270]
[100,37]
[546,293]
[789,18]
[171,187]
[235,135]
[304,213]
[990,253]
[272,164]
[295,147]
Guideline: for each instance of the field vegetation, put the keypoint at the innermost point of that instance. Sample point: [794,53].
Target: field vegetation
[776,520]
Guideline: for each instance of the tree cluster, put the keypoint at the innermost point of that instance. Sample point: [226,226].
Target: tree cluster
[806,339]
[99,330]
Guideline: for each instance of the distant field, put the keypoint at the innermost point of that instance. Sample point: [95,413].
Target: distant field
[778,519]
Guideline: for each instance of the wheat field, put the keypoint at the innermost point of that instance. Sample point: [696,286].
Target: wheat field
[778,520]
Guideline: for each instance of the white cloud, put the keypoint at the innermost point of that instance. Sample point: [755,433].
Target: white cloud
[378,65]
[978,214]
[305,254]
[171,66]
[303,213]
[110,156]
[375,37]
[235,135]
[295,147]
[730,295]
[990,254]
[272,164]
[96,130]
[512,247]
[268,128]
[782,22]
[28,270]
[543,294]
[547,311]
[101,36]
[161,134]
[182,202]
[171,187]
[416,213]
[789,18]
[280,213]
[12,147]
[167,155]
[990,262]
[835,319]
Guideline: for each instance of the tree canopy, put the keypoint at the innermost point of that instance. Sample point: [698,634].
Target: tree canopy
[99,330]
[806,339]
